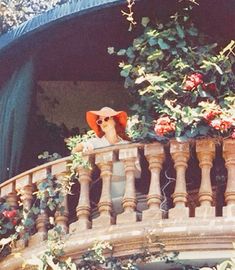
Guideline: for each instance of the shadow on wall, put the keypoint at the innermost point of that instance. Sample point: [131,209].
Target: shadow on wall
[60,110]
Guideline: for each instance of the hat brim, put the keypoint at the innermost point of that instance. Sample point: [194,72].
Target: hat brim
[91,118]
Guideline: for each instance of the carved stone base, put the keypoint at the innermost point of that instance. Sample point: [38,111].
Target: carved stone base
[229,211]
[102,221]
[19,245]
[80,225]
[205,211]
[36,238]
[152,214]
[178,213]
[126,218]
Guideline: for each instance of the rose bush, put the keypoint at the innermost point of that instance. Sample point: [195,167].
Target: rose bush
[183,83]
[9,218]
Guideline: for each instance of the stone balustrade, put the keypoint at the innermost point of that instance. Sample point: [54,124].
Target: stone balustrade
[166,176]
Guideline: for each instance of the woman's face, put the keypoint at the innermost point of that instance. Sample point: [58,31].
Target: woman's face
[106,123]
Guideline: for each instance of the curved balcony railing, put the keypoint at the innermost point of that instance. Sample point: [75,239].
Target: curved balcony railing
[180,198]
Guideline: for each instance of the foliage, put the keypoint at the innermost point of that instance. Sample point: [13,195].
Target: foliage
[49,157]
[15,12]
[129,14]
[184,85]
[20,223]
[53,257]
[77,158]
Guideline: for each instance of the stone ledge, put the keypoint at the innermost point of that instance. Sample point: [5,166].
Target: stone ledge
[194,236]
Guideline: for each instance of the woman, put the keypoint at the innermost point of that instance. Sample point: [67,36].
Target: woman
[109,126]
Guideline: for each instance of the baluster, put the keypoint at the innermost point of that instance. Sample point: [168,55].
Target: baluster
[105,162]
[155,156]
[12,201]
[229,156]
[12,198]
[62,215]
[205,152]
[129,157]
[42,220]
[27,200]
[60,171]
[180,154]
[83,209]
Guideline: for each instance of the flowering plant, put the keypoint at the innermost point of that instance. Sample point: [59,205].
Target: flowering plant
[9,218]
[184,84]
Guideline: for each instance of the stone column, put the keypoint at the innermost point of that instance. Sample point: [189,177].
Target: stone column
[180,154]
[42,222]
[27,197]
[27,200]
[62,214]
[83,209]
[105,162]
[129,157]
[155,156]
[12,199]
[205,152]
[229,156]
[41,226]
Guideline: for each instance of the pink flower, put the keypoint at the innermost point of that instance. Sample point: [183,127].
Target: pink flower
[211,115]
[189,85]
[220,124]
[164,125]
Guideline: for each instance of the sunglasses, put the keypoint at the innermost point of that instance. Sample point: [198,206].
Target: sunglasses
[100,121]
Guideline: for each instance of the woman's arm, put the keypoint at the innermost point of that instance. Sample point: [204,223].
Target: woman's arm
[83,147]
[78,148]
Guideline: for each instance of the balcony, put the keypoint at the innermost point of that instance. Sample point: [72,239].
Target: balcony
[184,200]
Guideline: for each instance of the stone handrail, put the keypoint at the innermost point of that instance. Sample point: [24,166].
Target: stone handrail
[149,205]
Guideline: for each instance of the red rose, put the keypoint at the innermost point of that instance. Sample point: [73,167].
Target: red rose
[9,214]
[211,86]
[193,81]
[196,78]
[14,221]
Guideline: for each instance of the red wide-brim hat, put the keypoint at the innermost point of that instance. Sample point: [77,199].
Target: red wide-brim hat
[91,118]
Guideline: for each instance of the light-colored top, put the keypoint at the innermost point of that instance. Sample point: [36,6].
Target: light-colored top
[118,166]
[101,142]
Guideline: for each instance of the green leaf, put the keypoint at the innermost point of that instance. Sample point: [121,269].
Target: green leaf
[126,70]
[145,21]
[162,44]
[130,53]
[203,130]
[203,93]
[192,31]
[181,44]
[157,54]
[192,133]
[152,41]
[121,52]
[180,31]
[181,138]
